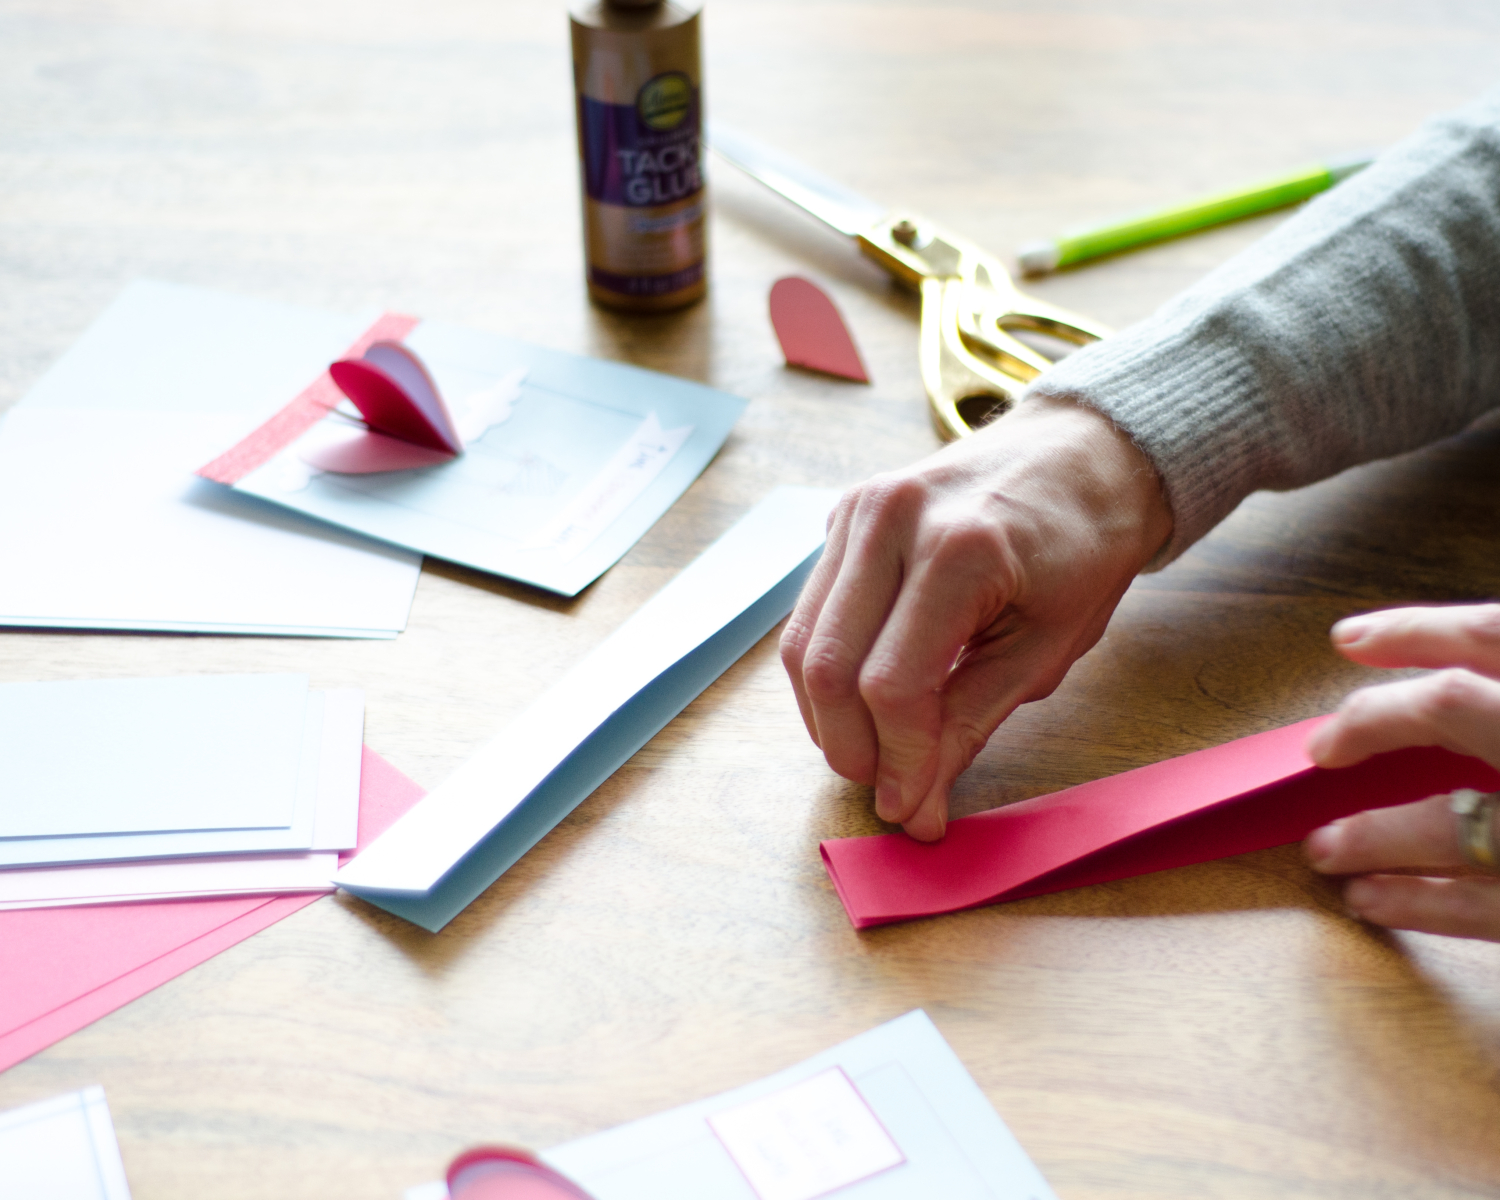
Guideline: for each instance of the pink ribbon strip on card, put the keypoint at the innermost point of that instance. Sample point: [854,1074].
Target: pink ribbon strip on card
[1245,795]
[64,968]
[309,407]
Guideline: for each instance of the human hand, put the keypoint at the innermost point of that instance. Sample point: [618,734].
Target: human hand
[954,590]
[1458,708]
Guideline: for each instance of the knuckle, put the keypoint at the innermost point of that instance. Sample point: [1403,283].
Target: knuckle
[827,674]
[793,643]
[892,495]
[1482,622]
[883,691]
[963,538]
[971,739]
[1449,692]
[1361,704]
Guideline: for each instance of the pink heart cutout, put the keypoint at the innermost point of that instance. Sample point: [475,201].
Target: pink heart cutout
[397,398]
[811,331]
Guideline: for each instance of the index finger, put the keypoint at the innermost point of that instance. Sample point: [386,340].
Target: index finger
[1458,635]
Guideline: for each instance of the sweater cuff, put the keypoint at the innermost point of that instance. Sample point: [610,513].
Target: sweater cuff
[1188,406]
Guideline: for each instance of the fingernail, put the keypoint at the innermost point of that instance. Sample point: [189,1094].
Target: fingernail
[1323,844]
[887,798]
[1351,630]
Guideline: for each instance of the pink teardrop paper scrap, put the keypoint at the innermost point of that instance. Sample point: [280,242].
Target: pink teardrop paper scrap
[811,332]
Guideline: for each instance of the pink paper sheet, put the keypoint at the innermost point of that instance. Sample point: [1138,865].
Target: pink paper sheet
[1246,795]
[62,968]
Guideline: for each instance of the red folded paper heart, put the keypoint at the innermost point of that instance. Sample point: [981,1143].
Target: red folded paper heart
[1245,795]
[409,425]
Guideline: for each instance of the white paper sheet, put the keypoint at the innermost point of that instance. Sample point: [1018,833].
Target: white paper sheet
[325,816]
[106,756]
[61,1149]
[101,518]
[167,879]
[952,1143]
[465,832]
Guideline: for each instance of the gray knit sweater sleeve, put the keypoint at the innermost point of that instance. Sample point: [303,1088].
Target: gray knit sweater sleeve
[1366,325]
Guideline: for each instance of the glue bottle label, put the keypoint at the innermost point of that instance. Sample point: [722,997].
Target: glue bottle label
[645,154]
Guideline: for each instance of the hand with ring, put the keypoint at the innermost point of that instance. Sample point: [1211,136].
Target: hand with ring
[1432,866]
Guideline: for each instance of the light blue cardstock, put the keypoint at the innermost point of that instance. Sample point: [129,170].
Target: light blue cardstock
[578,428]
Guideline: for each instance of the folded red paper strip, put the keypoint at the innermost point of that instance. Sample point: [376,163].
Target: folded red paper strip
[64,968]
[1245,795]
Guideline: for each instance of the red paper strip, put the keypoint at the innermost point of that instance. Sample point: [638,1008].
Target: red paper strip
[309,407]
[64,968]
[811,331]
[1246,795]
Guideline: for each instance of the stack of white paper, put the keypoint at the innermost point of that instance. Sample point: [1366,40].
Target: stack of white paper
[890,1114]
[61,1149]
[135,789]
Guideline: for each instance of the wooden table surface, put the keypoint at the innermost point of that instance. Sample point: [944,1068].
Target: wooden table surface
[1221,1030]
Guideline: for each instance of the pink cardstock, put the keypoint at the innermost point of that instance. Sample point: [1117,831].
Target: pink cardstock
[64,968]
[811,331]
[1245,795]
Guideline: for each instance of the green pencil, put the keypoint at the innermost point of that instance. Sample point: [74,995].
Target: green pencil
[1155,225]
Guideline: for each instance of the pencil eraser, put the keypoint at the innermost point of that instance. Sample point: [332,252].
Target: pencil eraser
[811,331]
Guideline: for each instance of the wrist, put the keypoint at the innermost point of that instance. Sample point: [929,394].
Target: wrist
[1110,482]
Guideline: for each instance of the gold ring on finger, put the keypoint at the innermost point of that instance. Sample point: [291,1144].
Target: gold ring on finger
[1475,812]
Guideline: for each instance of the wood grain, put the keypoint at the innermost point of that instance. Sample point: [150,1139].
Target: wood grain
[1221,1030]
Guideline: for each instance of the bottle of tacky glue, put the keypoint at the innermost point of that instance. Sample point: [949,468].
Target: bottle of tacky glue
[638,85]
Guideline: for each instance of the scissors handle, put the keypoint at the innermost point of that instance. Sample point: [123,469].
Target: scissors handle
[973,365]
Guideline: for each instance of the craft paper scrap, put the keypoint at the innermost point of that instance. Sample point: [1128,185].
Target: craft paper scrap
[575,460]
[97,483]
[807,1140]
[507,797]
[61,1149]
[1245,795]
[925,1130]
[97,756]
[325,746]
[811,331]
[67,967]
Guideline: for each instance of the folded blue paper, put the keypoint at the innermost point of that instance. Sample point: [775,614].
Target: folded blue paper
[470,829]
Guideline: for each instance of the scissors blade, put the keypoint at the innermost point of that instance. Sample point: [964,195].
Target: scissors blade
[835,205]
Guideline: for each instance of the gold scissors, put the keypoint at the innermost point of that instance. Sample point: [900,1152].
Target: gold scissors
[973,365]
